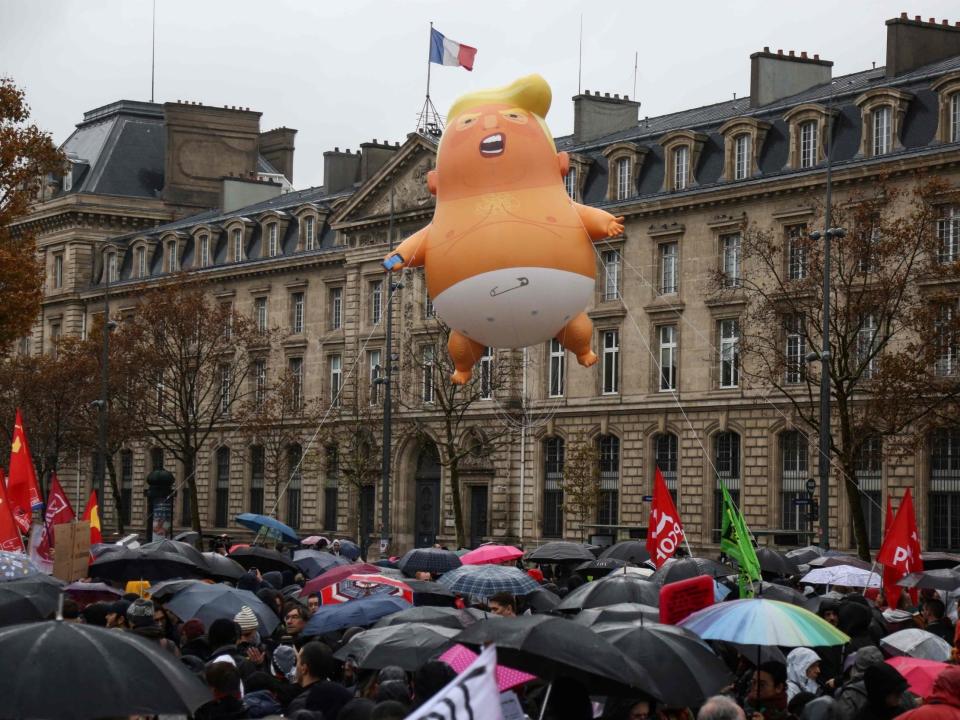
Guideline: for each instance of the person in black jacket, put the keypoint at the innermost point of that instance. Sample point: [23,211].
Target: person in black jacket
[315,667]
[933,615]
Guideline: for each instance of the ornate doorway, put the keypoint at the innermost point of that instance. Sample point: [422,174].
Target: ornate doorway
[426,518]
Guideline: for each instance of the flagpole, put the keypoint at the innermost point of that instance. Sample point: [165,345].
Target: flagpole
[429,50]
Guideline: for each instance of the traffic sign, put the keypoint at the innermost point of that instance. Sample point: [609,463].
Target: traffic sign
[801,501]
[648,498]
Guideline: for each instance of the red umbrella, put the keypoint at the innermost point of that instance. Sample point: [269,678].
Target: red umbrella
[335,575]
[491,555]
[920,673]
[362,586]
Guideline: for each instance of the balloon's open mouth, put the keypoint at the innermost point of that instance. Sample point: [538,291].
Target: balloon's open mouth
[492,145]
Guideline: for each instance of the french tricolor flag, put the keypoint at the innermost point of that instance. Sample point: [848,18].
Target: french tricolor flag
[445,51]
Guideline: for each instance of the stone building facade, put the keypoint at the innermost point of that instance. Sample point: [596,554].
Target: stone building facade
[686,184]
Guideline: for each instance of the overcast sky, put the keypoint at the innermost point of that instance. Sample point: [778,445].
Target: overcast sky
[345,71]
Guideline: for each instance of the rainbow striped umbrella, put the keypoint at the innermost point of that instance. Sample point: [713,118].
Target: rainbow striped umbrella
[763,622]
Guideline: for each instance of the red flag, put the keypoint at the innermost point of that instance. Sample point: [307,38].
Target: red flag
[664,531]
[900,552]
[22,489]
[58,511]
[10,539]
[92,513]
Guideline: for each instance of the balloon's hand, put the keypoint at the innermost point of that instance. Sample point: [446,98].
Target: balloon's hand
[393,261]
[615,227]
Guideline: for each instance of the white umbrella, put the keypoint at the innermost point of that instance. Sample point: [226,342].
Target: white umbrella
[917,643]
[846,575]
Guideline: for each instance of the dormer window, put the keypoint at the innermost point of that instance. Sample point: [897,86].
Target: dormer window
[273,229]
[111,267]
[948,95]
[309,233]
[204,251]
[741,157]
[624,160]
[141,259]
[237,242]
[882,111]
[273,242]
[955,117]
[808,133]
[624,173]
[681,151]
[576,176]
[808,144]
[173,258]
[742,139]
[570,182]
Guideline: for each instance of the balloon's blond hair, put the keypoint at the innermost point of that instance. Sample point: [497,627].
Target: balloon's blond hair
[531,92]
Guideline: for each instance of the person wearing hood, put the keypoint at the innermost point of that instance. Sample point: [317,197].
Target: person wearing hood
[944,702]
[852,698]
[803,669]
[854,620]
[193,641]
[885,688]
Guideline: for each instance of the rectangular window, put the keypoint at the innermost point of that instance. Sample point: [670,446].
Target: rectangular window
[238,254]
[608,502]
[260,314]
[83,327]
[570,182]
[259,382]
[273,240]
[428,311]
[667,341]
[808,144]
[947,341]
[729,353]
[427,369]
[294,486]
[309,237]
[112,275]
[558,357]
[611,275]
[336,308]
[793,457]
[296,312]
[227,310]
[224,389]
[610,366]
[681,167]
[296,378]
[126,485]
[161,394]
[669,275]
[624,171]
[486,374]
[866,345]
[795,349]
[730,259]
[376,371]
[173,258]
[156,459]
[553,488]
[257,475]
[741,156]
[866,262]
[376,302]
[882,135]
[796,252]
[955,117]
[204,250]
[331,486]
[58,271]
[141,262]
[336,377]
[54,339]
[666,455]
[869,473]
[948,231]
[944,497]
[222,498]
[727,464]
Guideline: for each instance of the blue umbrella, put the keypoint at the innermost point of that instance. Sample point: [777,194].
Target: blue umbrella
[362,612]
[316,562]
[486,580]
[15,565]
[255,522]
[348,549]
[435,561]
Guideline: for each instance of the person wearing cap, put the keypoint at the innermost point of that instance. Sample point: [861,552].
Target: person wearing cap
[141,621]
[117,614]
[250,643]
[193,641]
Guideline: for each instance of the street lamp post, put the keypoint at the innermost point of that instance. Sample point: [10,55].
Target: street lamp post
[386,379]
[108,325]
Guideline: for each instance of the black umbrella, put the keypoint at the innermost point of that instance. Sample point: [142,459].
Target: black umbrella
[223,568]
[939,560]
[676,569]
[619,613]
[430,593]
[409,645]
[837,560]
[163,591]
[140,564]
[264,559]
[553,648]
[685,670]
[175,547]
[435,561]
[599,567]
[316,562]
[804,555]
[439,616]
[942,579]
[560,551]
[28,599]
[541,600]
[631,551]
[773,562]
[72,671]
[772,591]
[612,589]
[212,602]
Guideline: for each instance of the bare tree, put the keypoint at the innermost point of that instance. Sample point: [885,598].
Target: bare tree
[581,482]
[894,322]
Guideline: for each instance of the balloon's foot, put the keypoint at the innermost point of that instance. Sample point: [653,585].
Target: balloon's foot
[462,377]
[588,359]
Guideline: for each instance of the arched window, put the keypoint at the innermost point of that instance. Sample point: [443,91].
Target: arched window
[295,477]
[331,487]
[869,472]
[222,496]
[793,478]
[665,457]
[726,460]
[608,504]
[257,475]
[553,487]
[944,498]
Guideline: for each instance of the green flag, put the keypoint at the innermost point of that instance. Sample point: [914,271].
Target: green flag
[735,542]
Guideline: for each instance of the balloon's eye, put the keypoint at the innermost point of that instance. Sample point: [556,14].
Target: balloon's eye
[515,116]
[465,121]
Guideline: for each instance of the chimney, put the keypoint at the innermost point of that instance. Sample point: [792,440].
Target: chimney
[276,146]
[914,43]
[373,156]
[595,116]
[204,144]
[341,170]
[774,76]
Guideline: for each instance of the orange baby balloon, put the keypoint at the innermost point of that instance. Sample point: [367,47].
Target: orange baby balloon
[508,256]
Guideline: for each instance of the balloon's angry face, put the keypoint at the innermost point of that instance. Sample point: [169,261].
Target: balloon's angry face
[496,146]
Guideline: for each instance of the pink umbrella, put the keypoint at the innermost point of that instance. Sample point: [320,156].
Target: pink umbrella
[459,658]
[492,555]
[920,673]
[314,540]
